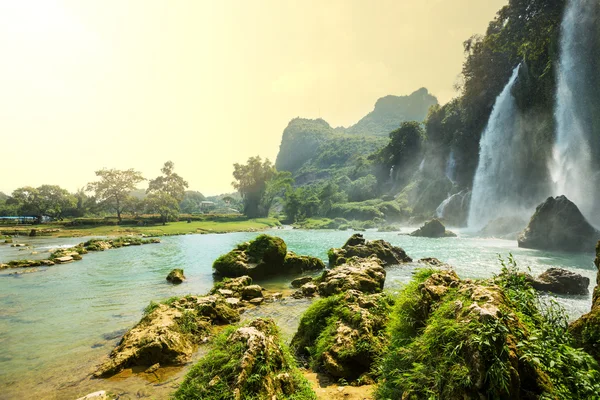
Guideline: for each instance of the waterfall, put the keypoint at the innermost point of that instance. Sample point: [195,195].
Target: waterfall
[571,165]
[440,211]
[498,178]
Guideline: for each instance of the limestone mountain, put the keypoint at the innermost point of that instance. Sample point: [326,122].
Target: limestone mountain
[312,150]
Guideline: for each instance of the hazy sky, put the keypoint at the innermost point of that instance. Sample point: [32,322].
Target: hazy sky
[131,84]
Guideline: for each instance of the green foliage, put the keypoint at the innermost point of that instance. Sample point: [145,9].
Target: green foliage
[168,183]
[316,337]
[50,200]
[114,186]
[214,376]
[258,183]
[436,352]
[192,202]
[163,204]
[363,188]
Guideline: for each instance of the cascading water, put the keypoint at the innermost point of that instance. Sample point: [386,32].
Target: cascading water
[571,165]
[498,178]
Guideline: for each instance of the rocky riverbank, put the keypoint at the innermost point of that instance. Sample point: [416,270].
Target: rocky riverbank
[442,334]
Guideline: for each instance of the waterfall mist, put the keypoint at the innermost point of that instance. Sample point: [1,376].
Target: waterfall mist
[571,166]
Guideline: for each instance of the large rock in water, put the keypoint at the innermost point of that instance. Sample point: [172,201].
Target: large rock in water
[248,363]
[586,329]
[263,257]
[557,224]
[364,275]
[344,335]
[433,229]
[176,276]
[358,246]
[169,333]
[561,281]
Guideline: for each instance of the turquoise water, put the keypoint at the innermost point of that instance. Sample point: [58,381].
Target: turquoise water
[57,324]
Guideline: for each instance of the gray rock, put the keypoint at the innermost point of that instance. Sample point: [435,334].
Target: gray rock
[557,224]
[560,281]
[251,292]
[298,282]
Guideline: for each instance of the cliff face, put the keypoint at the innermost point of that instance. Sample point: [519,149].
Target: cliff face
[390,111]
[311,149]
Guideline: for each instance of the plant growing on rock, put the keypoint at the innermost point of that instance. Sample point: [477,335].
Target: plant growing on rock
[467,339]
[249,362]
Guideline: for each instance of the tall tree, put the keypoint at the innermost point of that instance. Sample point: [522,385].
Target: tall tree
[164,205]
[251,181]
[166,192]
[169,182]
[192,202]
[114,187]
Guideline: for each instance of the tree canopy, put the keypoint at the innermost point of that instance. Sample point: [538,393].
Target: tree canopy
[114,186]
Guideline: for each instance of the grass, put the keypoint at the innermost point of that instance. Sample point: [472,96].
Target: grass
[172,228]
[216,376]
[438,351]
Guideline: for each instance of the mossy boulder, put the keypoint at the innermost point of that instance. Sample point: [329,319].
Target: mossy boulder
[433,229]
[557,224]
[361,274]
[295,264]
[586,329]
[263,257]
[343,335]
[176,276]
[358,246]
[249,362]
[169,333]
[467,339]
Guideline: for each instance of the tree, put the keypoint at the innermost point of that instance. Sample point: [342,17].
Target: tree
[276,186]
[251,181]
[169,183]
[192,202]
[50,200]
[114,187]
[166,192]
[164,205]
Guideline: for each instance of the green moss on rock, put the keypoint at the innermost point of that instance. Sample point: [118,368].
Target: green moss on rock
[249,362]
[263,257]
[343,335]
[464,339]
[358,246]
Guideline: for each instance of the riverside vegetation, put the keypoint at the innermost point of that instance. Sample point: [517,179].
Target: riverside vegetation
[440,337]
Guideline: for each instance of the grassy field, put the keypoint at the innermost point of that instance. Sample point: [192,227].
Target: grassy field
[172,228]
